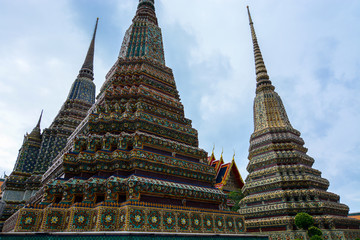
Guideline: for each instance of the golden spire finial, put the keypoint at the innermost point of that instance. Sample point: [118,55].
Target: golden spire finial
[250,20]
[212,157]
[261,73]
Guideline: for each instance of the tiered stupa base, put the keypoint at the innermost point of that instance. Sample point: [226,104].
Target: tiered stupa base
[130,216]
[337,234]
[286,223]
[128,236]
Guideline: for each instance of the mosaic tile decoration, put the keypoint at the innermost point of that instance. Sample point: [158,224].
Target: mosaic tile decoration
[130,217]
[128,237]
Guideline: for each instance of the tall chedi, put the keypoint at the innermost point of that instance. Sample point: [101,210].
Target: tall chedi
[135,164]
[13,187]
[39,150]
[81,97]
[281,180]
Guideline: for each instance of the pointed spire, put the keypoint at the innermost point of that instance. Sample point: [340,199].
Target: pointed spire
[36,132]
[262,78]
[87,67]
[269,111]
[38,124]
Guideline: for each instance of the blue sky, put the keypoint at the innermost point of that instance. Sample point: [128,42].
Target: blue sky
[311,50]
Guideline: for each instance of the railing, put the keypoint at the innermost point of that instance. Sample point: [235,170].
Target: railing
[9,224]
[36,197]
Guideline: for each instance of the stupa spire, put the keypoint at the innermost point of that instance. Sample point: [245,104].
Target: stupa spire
[143,39]
[262,77]
[269,111]
[83,87]
[36,132]
[88,66]
[38,124]
[146,11]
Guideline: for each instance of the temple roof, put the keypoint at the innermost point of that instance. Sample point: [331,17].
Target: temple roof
[224,171]
[354,215]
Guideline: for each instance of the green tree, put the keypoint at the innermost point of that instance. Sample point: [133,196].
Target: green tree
[304,220]
[236,196]
[312,231]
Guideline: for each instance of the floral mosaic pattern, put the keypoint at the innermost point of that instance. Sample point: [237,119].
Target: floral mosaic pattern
[154,220]
[169,221]
[137,219]
[219,223]
[108,220]
[54,220]
[230,224]
[183,221]
[81,220]
[208,223]
[240,224]
[28,221]
[196,222]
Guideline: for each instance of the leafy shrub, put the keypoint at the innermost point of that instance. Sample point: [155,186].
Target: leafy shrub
[304,220]
[312,231]
[236,196]
[316,237]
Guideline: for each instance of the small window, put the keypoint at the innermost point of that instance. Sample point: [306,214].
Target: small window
[130,147]
[121,198]
[57,199]
[78,198]
[100,198]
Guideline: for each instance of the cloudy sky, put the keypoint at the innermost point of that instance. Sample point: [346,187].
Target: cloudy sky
[311,50]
